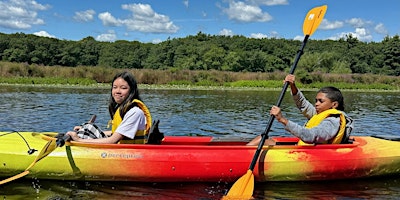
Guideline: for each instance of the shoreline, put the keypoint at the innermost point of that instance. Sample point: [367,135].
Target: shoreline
[177,87]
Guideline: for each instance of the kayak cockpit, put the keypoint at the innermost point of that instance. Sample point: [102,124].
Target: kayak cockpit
[281,142]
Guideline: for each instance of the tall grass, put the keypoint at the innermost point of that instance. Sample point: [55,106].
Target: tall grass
[21,73]
[48,81]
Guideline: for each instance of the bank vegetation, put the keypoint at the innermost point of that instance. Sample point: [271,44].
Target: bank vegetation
[32,74]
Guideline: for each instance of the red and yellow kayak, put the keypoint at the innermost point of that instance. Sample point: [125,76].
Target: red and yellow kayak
[193,159]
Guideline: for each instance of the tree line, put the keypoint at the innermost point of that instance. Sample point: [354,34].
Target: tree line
[209,52]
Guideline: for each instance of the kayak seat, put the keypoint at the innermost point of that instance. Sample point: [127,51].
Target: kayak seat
[155,136]
[349,140]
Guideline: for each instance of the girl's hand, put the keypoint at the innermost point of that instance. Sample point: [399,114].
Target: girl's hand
[74,135]
[276,111]
[290,79]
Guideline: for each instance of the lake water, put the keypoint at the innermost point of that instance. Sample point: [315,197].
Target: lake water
[219,113]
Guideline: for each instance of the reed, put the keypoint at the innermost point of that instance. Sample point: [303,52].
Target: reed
[22,73]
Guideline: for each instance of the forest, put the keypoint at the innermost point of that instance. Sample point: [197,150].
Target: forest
[209,52]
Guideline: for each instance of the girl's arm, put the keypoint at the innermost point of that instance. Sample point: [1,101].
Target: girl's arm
[114,138]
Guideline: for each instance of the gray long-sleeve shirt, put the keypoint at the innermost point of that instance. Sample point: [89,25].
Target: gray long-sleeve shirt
[326,130]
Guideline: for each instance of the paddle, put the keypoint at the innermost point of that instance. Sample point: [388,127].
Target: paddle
[244,186]
[46,150]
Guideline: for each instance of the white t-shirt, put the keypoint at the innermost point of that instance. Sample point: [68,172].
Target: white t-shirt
[133,121]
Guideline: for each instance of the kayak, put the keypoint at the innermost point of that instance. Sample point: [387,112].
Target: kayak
[198,159]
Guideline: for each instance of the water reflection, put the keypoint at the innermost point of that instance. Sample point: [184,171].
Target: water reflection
[381,188]
[45,189]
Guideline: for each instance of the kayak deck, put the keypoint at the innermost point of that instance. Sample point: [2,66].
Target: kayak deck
[199,159]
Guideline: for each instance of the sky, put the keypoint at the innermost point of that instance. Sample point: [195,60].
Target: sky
[159,20]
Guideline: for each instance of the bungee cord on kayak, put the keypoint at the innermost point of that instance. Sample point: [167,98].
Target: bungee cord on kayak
[30,150]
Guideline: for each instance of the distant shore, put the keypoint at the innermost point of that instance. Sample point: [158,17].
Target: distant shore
[96,76]
[106,86]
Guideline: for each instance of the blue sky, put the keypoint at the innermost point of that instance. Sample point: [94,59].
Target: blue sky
[157,20]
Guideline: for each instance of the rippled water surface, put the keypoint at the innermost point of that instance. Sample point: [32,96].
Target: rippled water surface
[190,112]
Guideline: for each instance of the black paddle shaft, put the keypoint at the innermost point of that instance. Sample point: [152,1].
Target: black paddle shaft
[272,117]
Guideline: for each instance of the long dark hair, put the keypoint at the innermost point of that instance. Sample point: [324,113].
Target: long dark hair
[127,103]
[334,94]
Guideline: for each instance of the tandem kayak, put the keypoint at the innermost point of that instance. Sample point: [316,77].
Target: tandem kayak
[198,159]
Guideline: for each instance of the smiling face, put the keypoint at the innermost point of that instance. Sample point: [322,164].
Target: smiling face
[120,90]
[322,102]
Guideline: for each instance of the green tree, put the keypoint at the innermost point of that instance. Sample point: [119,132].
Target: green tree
[392,55]
[90,50]
[122,54]
[232,61]
[214,58]
[69,55]
[186,56]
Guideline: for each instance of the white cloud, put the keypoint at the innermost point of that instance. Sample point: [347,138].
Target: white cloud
[300,38]
[44,34]
[226,32]
[242,12]
[109,20]
[186,3]
[258,35]
[270,2]
[143,19]
[20,14]
[110,36]
[361,34]
[156,41]
[84,16]
[362,28]
[274,34]
[381,29]
[327,25]
[358,22]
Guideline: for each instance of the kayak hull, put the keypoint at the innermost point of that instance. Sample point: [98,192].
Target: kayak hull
[197,159]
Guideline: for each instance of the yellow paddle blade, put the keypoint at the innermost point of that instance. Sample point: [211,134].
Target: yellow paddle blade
[46,150]
[313,19]
[14,177]
[242,188]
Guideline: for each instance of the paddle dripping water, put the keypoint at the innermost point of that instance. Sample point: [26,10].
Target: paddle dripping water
[243,188]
